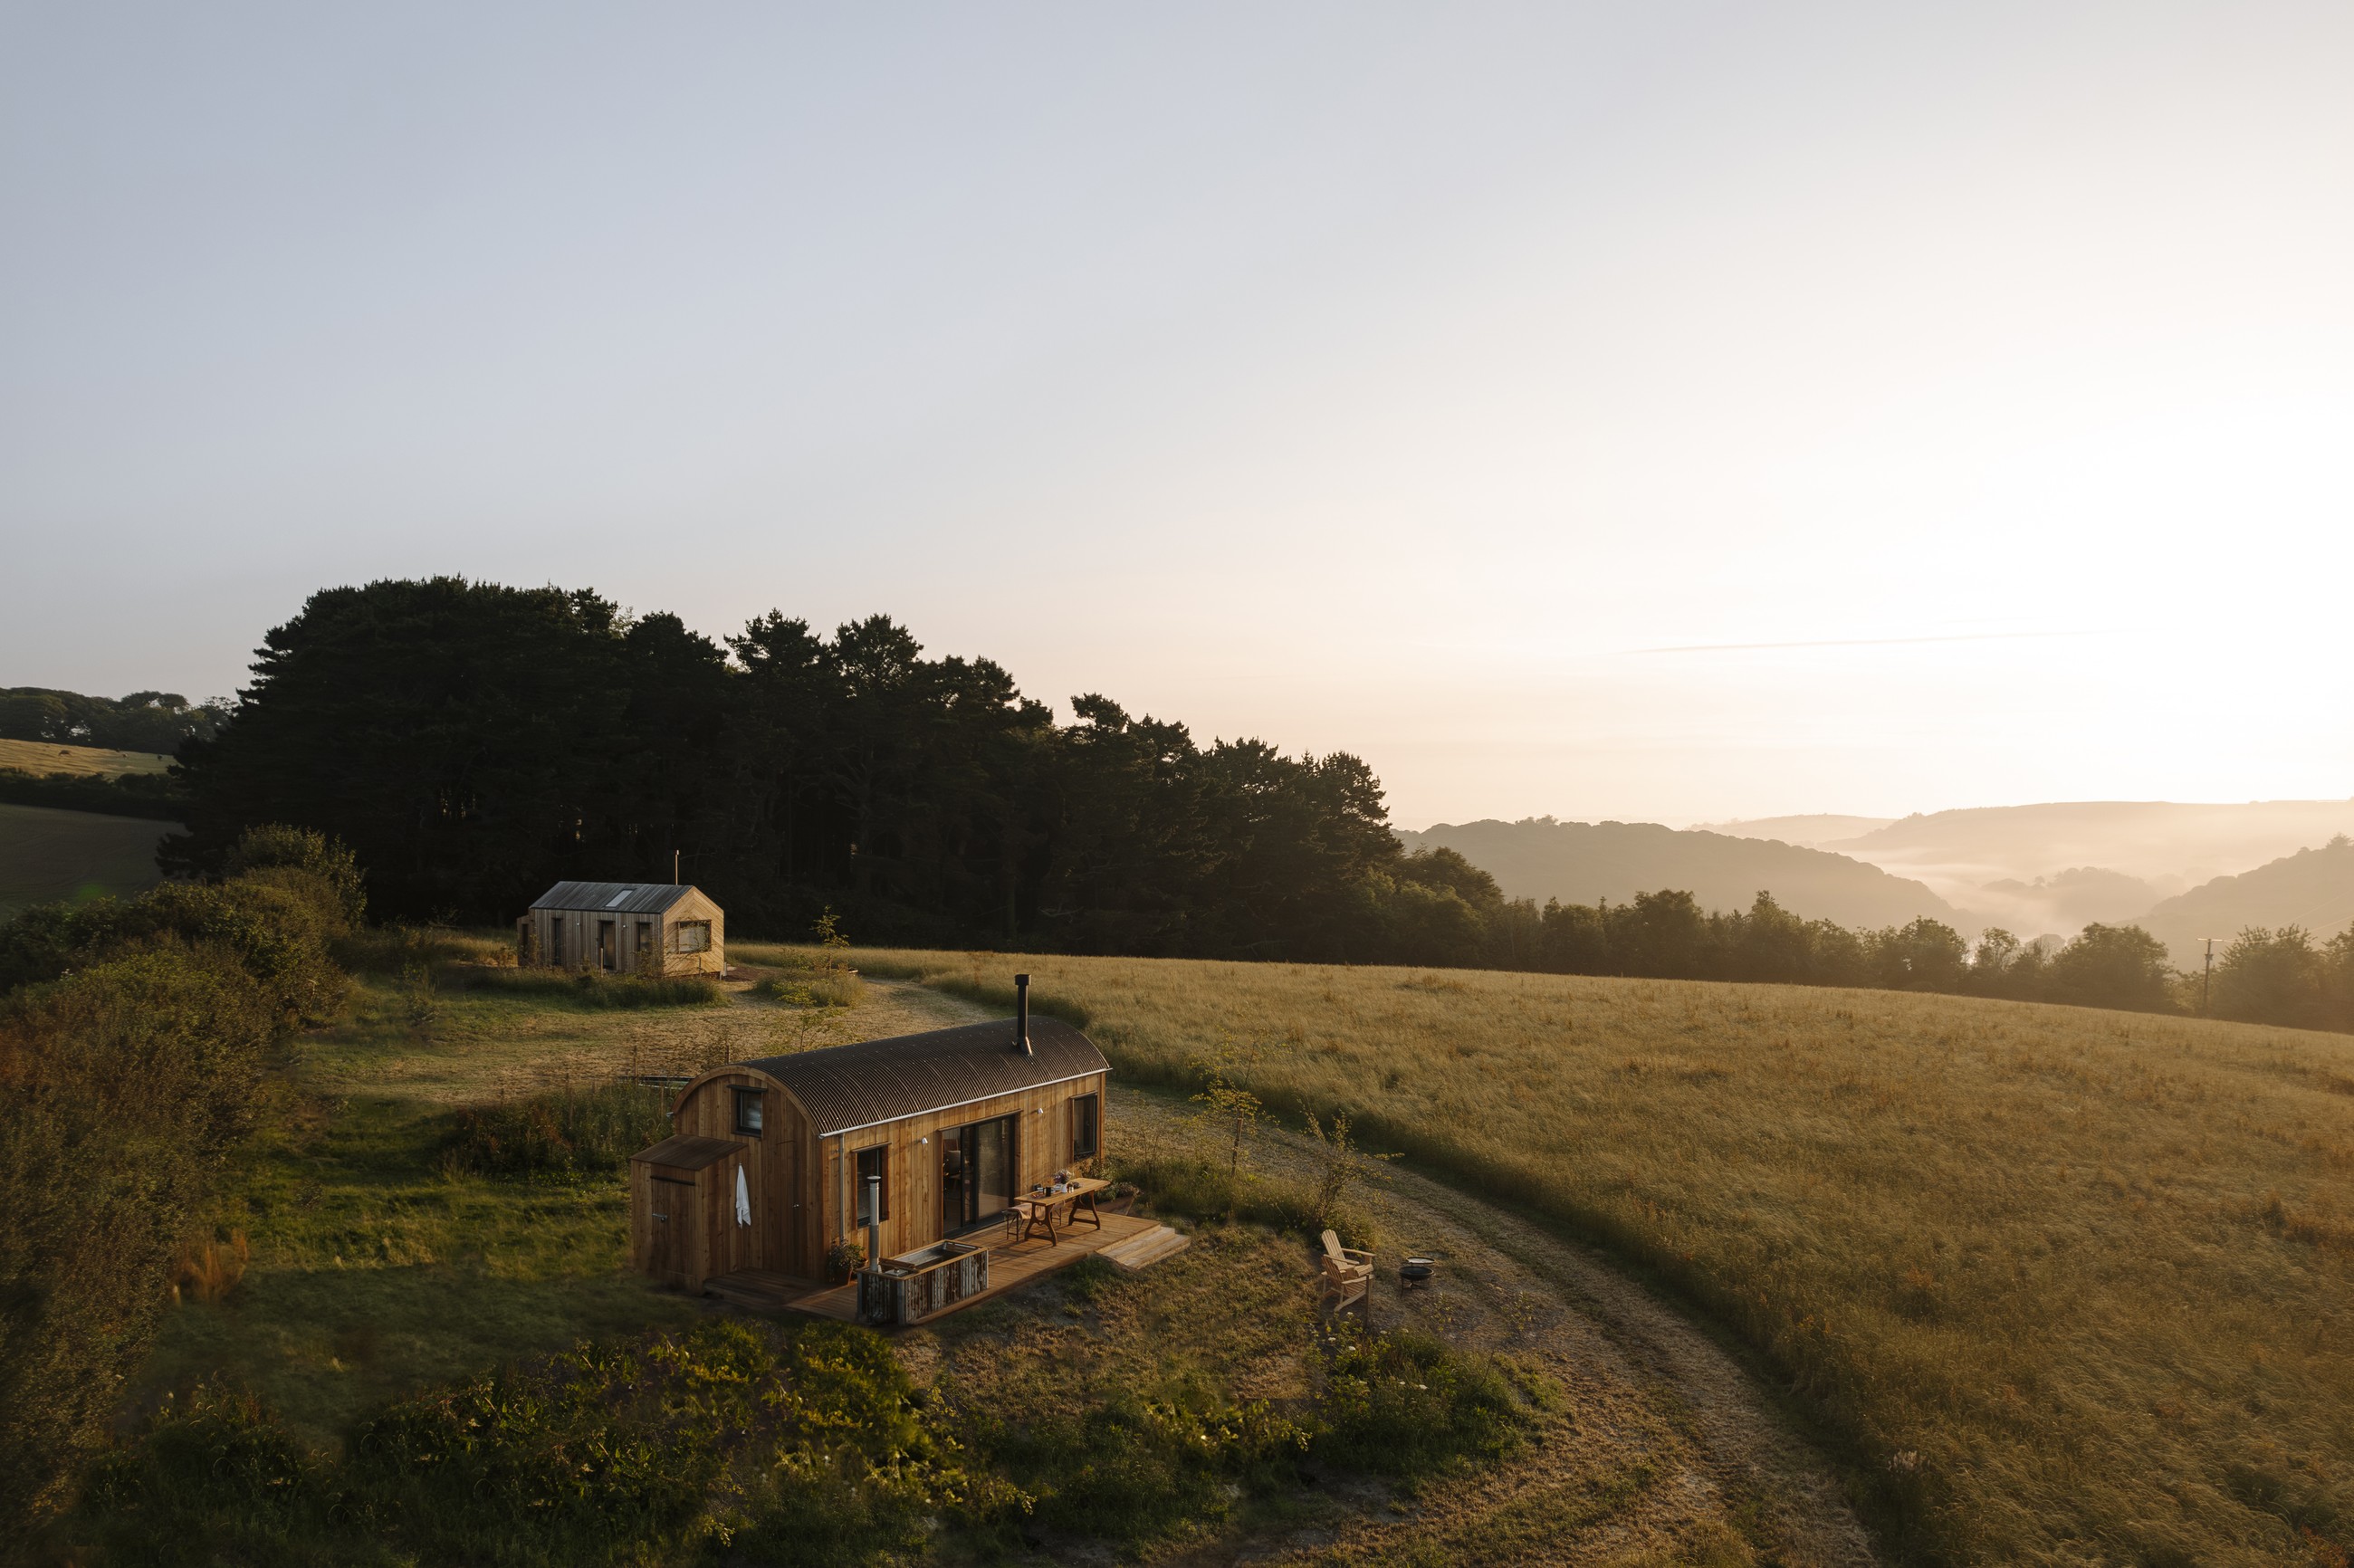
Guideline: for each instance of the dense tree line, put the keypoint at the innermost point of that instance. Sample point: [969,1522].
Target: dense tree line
[144,721]
[133,1035]
[473,743]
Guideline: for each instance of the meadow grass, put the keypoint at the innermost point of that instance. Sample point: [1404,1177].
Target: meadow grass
[2066,1286]
[47,855]
[41,757]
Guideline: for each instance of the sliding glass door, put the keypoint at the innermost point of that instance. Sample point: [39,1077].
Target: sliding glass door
[977,1169]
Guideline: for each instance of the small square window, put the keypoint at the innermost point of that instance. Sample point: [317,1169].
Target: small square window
[873,1164]
[1087,1126]
[694,935]
[747,1111]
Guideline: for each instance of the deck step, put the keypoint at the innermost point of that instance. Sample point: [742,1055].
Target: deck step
[1145,1249]
[752,1290]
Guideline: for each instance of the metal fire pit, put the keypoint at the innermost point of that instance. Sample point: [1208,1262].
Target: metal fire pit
[1415,1271]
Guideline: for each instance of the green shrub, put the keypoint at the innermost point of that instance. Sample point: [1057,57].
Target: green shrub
[569,1130]
[132,1037]
[814,988]
[215,1479]
[1404,1404]
[805,1446]
[1134,1469]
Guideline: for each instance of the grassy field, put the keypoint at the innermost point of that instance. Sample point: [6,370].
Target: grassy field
[41,756]
[47,855]
[379,1265]
[2068,1286]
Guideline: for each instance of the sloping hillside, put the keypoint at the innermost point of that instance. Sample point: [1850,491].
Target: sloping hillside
[41,757]
[47,855]
[1810,832]
[2313,889]
[2153,840]
[1579,863]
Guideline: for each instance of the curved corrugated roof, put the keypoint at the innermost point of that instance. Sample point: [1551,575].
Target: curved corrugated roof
[627,897]
[843,1087]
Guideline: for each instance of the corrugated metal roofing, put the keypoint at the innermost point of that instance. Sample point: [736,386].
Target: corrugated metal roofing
[844,1087]
[628,897]
[685,1151]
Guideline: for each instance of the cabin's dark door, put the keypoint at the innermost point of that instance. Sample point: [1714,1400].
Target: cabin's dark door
[977,1172]
[674,1220]
[609,946]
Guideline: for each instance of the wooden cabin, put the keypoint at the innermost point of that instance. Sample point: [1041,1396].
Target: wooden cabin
[652,928]
[767,1165]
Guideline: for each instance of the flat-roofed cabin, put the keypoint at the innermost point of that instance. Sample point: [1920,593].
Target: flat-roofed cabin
[767,1166]
[650,928]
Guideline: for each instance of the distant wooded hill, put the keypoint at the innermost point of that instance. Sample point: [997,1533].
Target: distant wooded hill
[2056,865]
[1579,863]
[2313,889]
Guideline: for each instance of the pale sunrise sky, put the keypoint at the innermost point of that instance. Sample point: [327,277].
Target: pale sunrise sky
[1657,411]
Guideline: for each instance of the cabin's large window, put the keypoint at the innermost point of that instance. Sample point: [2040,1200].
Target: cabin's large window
[1087,1126]
[694,935]
[873,1164]
[747,1111]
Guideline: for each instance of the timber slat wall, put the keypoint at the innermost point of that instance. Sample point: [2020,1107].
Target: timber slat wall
[799,1185]
[540,930]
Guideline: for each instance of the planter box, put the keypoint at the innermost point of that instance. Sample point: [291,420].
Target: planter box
[912,1286]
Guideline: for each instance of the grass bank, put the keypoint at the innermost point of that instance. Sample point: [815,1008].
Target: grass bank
[2073,1284]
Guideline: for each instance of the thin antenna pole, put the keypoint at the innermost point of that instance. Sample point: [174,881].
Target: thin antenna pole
[674,868]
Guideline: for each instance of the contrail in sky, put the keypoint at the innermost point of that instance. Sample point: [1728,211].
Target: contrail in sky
[1859,641]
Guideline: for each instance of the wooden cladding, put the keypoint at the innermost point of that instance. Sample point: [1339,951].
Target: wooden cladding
[803,1193]
[686,938]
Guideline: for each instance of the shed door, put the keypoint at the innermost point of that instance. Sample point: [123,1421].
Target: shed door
[609,946]
[673,1217]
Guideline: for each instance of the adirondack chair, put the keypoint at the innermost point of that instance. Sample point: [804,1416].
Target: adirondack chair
[1348,1274]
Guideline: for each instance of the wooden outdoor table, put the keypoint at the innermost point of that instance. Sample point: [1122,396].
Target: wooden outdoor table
[1037,1209]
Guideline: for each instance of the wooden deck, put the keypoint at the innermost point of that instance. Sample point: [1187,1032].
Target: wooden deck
[1130,1241]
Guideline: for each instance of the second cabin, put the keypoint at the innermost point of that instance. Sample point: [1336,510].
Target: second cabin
[768,1165]
[654,929]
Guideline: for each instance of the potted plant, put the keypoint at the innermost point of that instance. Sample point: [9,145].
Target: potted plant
[843,1259]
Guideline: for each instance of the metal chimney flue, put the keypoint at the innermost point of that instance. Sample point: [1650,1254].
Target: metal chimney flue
[1022,1015]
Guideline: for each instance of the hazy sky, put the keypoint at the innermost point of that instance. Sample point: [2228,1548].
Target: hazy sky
[1653,411]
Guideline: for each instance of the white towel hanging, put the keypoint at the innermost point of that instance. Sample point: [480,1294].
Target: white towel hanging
[743,1199]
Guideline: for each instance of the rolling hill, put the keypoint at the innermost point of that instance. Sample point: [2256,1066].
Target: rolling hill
[42,758]
[47,855]
[2313,889]
[1579,863]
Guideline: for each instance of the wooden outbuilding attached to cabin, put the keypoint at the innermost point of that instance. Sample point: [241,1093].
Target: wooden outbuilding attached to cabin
[650,928]
[954,1123]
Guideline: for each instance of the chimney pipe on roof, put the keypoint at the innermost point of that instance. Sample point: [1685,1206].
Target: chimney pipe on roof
[1022,1015]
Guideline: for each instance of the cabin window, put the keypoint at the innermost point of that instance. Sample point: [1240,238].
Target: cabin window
[694,935]
[873,1163]
[1087,1126]
[747,1111]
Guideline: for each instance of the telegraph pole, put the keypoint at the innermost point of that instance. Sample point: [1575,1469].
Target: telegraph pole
[2206,975]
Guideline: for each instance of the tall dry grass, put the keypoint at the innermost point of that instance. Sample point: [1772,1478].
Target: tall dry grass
[2066,1286]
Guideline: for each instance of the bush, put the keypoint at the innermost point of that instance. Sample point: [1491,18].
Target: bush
[133,1035]
[564,1130]
[804,1446]
[1135,1469]
[1404,1404]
